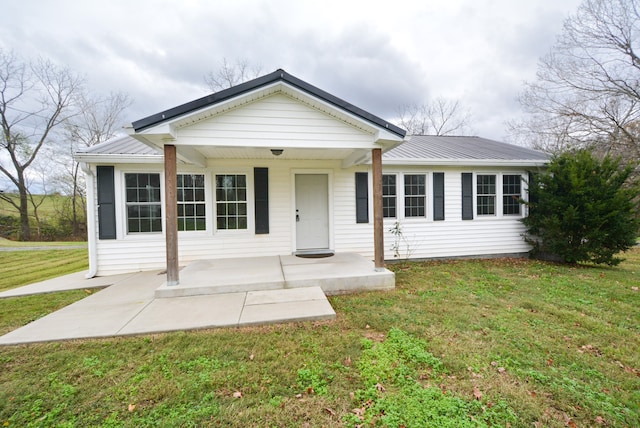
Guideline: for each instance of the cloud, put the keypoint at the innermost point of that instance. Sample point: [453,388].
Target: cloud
[374,54]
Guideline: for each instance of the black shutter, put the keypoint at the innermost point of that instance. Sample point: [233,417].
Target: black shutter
[362,197]
[106,203]
[261,193]
[438,195]
[467,196]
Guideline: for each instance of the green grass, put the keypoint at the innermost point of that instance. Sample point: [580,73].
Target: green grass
[460,343]
[25,267]
[7,243]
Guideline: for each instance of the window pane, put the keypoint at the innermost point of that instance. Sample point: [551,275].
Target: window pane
[486,194]
[511,194]
[389,196]
[415,195]
[231,198]
[144,210]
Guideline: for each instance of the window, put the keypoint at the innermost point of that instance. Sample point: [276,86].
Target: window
[231,201]
[144,210]
[191,204]
[389,196]
[486,194]
[414,195]
[511,194]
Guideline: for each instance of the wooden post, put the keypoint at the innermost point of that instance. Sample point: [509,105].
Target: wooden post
[171,213]
[378,233]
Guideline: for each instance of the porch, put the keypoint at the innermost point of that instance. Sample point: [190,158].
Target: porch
[335,274]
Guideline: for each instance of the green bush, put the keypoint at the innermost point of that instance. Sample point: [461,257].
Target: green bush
[582,209]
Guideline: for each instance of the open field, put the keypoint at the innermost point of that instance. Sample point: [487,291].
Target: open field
[462,343]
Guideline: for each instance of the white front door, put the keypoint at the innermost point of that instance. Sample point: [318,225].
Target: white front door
[312,212]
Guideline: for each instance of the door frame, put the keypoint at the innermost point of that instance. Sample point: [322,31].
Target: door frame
[329,174]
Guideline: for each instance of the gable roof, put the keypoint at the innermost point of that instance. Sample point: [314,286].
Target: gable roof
[461,150]
[277,76]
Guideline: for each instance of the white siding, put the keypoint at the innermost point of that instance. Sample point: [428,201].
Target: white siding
[274,121]
[427,238]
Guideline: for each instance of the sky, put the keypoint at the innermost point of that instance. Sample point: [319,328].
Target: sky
[377,55]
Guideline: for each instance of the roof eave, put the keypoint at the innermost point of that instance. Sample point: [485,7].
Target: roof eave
[467,162]
[118,158]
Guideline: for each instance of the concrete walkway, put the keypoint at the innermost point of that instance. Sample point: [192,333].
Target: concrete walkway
[129,306]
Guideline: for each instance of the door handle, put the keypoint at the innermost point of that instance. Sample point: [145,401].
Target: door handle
[297,215]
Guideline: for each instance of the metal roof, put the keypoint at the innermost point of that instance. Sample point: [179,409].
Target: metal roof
[416,150]
[460,149]
[276,76]
[124,145]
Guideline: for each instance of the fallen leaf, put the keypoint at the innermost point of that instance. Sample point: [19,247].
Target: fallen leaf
[501,370]
[549,361]
[330,411]
[476,393]
[493,363]
[380,388]
[347,361]
[533,394]
[237,394]
[571,424]
[132,407]
[600,420]
[310,391]
[251,357]
[367,326]
[86,290]
[298,396]
[352,396]
[634,288]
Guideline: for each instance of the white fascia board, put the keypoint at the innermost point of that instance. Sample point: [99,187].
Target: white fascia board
[118,158]
[466,162]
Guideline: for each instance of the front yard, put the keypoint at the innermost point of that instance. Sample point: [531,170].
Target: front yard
[461,343]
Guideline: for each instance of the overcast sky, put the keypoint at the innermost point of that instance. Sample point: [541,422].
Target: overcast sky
[374,54]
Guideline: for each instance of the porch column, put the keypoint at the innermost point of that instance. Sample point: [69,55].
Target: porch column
[378,233]
[171,213]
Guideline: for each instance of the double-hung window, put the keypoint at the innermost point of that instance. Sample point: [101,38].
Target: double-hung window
[191,202]
[389,196]
[486,194]
[231,201]
[144,208]
[511,194]
[414,195]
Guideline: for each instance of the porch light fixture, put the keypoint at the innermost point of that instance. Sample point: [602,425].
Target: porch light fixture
[277,152]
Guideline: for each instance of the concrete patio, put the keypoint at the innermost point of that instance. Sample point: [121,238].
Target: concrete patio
[224,293]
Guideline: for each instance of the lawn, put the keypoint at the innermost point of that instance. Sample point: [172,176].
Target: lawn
[27,266]
[505,342]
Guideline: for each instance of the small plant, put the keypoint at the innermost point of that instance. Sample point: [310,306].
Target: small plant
[402,248]
[312,380]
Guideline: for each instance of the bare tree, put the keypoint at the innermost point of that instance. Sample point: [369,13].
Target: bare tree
[587,89]
[439,117]
[97,121]
[35,99]
[229,75]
